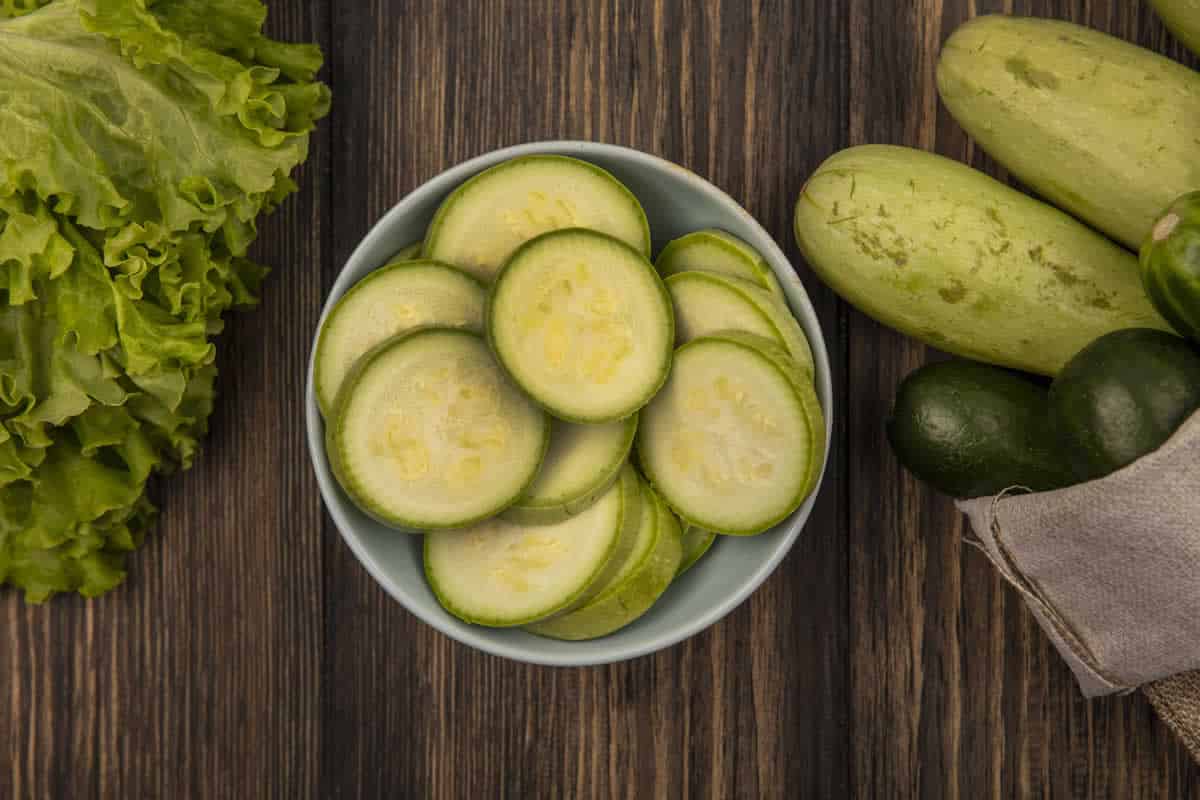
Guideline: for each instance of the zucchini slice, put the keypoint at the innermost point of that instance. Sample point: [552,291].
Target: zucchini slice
[632,588]
[706,302]
[583,324]
[487,218]
[734,442]
[696,542]
[410,252]
[500,573]
[582,462]
[428,432]
[714,250]
[392,299]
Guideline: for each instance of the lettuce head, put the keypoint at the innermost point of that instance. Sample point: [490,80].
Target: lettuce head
[140,141]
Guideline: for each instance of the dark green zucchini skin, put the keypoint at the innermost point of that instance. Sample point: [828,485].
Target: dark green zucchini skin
[970,430]
[1122,397]
[1170,264]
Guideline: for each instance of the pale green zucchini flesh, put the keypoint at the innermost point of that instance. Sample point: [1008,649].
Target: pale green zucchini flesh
[428,433]
[696,542]
[580,465]
[642,576]
[735,440]
[713,250]
[409,252]
[501,574]
[706,302]
[583,324]
[393,299]
[485,220]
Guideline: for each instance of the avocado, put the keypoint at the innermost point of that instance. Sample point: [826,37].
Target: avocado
[970,430]
[1122,397]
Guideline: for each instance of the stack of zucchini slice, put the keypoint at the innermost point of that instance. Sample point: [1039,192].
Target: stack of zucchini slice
[493,386]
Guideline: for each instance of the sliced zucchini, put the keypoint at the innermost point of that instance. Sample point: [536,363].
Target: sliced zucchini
[631,589]
[799,374]
[582,462]
[428,432]
[392,299]
[795,340]
[714,250]
[583,324]
[409,252]
[631,498]
[696,542]
[784,360]
[706,302]
[735,440]
[487,218]
[500,573]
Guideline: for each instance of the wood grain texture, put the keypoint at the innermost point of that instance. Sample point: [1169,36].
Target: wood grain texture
[250,655]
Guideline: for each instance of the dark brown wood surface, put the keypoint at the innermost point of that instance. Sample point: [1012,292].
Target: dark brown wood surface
[250,655]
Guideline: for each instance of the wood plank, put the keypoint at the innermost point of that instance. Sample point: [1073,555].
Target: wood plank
[956,691]
[198,678]
[750,95]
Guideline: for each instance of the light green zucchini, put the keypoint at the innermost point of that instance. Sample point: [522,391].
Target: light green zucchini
[735,440]
[1100,127]
[483,221]
[501,574]
[640,577]
[583,324]
[1183,18]
[409,252]
[696,542]
[706,302]
[428,433]
[398,297]
[714,250]
[950,256]
[580,465]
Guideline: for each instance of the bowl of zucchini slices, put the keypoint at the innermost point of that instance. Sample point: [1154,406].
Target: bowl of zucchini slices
[567,403]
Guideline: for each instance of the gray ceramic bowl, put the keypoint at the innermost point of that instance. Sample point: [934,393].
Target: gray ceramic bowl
[676,201]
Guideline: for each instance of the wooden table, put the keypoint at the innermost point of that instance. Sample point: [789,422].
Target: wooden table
[249,655]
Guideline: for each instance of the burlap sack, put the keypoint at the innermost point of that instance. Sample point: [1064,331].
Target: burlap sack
[1111,570]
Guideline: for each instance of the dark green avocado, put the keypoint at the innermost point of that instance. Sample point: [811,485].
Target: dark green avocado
[1122,397]
[970,430]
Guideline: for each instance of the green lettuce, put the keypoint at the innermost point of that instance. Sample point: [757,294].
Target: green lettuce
[139,143]
[16,8]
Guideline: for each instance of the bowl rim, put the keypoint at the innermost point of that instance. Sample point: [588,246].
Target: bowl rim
[472,636]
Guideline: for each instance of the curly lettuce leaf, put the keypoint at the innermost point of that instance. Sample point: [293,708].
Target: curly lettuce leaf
[31,247]
[140,140]
[145,126]
[233,27]
[18,8]
[175,430]
[70,528]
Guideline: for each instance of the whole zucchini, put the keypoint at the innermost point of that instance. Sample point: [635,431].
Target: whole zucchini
[1171,265]
[957,259]
[1102,128]
[970,430]
[1183,18]
[1122,397]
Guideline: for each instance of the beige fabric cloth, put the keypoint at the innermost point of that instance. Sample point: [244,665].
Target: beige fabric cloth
[1111,570]
[1177,701]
